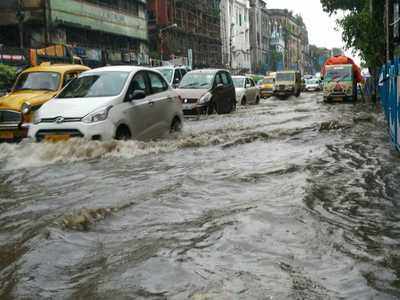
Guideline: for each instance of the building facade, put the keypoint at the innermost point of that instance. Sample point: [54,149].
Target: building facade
[294,33]
[100,31]
[186,31]
[235,35]
[260,35]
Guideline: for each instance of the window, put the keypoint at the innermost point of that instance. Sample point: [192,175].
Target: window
[38,81]
[225,79]
[157,83]
[102,84]
[183,72]
[69,77]
[218,79]
[252,83]
[138,83]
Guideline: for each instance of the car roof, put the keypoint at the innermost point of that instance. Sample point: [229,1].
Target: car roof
[60,68]
[208,71]
[129,69]
[241,77]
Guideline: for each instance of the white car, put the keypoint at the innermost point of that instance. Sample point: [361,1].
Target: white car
[246,90]
[312,85]
[120,102]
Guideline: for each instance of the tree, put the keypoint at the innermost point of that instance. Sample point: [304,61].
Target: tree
[363,30]
[7,77]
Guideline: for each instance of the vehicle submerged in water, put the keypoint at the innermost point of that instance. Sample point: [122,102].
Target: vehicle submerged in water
[340,83]
[287,83]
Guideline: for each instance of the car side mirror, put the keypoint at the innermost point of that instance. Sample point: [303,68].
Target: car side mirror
[137,95]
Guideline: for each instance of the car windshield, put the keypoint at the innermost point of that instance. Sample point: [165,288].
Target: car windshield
[337,74]
[49,81]
[268,81]
[167,73]
[285,76]
[197,81]
[238,82]
[105,84]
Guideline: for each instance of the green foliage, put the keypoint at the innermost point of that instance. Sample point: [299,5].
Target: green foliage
[8,75]
[362,30]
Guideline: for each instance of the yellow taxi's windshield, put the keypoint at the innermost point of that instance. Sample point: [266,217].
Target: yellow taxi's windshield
[49,81]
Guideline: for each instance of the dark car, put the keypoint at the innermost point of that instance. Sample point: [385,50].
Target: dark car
[207,91]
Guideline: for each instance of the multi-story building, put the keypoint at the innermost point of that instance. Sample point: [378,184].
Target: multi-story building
[100,31]
[235,35]
[295,36]
[189,30]
[260,34]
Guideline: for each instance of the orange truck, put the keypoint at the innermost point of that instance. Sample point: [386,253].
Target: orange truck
[341,76]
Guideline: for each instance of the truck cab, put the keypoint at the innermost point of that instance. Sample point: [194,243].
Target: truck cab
[339,83]
[287,83]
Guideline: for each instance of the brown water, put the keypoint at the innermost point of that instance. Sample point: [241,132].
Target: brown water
[267,203]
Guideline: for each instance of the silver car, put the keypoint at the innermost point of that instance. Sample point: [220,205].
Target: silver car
[120,102]
[246,90]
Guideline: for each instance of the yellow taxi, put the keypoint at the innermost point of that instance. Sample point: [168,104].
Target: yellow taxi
[267,86]
[33,87]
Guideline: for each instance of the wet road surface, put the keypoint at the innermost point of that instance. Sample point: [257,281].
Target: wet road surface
[286,200]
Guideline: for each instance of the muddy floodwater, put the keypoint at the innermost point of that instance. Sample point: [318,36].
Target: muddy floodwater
[286,200]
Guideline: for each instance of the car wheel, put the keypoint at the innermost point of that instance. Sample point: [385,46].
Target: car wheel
[212,108]
[176,125]
[233,105]
[244,101]
[123,133]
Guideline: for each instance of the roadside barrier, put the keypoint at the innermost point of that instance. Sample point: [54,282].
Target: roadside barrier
[389,89]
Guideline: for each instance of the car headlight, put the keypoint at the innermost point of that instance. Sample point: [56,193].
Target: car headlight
[98,115]
[205,98]
[26,108]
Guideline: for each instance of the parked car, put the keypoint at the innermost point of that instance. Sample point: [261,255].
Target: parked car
[312,85]
[246,90]
[288,83]
[173,75]
[267,86]
[207,91]
[32,88]
[120,102]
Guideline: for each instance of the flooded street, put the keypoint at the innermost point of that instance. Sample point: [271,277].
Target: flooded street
[286,200]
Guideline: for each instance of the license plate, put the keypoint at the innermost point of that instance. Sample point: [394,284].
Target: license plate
[57,138]
[6,135]
[188,106]
[337,98]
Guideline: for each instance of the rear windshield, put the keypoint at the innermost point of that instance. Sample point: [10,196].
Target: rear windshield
[285,76]
[268,80]
[238,82]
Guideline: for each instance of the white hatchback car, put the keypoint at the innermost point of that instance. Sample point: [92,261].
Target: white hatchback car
[120,102]
[246,90]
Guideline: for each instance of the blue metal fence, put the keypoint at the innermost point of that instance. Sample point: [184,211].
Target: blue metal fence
[389,88]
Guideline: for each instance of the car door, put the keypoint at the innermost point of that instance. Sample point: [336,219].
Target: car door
[162,104]
[218,93]
[252,90]
[137,113]
[229,93]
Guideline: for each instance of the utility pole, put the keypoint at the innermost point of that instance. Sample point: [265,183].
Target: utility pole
[20,15]
[387,30]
